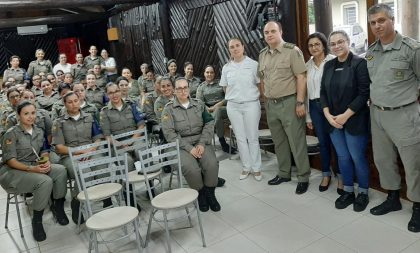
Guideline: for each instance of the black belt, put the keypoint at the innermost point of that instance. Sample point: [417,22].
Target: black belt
[384,108]
[280,99]
[315,100]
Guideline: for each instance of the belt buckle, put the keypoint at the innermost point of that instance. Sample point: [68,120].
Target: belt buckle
[382,108]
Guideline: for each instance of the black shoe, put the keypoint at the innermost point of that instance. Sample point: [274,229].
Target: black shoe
[107,203]
[392,203]
[302,187]
[361,202]
[57,210]
[227,149]
[278,180]
[132,198]
[167,169]
[37,228]
[340,191]
[220,182]
[75,205]
[323,188]
[211,199]
[414,223]
[345,200]
[202,200]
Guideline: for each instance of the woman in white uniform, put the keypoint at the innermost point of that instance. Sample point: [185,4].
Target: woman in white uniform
[241,82]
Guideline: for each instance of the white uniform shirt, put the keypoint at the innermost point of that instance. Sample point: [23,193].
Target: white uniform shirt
[110,62]
[241,80]
[314,76]
[65,68]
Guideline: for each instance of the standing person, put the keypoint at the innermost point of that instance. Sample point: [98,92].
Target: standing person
[213,97]
[62,65]
[109,66]
[79,69]
[93,59]
[40,66]
[23,172]
[74,128]
[241,83]
[198,159]
[193,81]
[394,68]
[282,72]
[344,95]
[14,70]
[318,49]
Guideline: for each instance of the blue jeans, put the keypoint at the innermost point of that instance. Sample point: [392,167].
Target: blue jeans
[351,152]
[321,124]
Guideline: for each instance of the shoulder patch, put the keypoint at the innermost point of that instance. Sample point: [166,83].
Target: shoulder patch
[289,45]
[8,141]
[412,43]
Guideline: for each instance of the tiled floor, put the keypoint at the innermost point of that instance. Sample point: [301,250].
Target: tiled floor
[255,217]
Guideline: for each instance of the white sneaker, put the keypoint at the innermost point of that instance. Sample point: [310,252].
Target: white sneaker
[258,177]
[244,175]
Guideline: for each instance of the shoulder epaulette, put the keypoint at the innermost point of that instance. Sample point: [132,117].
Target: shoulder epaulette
[288,45]
[263,50]
[373,44]
[412,43]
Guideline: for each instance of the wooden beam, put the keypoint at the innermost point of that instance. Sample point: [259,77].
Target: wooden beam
[6,5]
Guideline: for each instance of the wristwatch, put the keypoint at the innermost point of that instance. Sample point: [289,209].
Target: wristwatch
[298,103]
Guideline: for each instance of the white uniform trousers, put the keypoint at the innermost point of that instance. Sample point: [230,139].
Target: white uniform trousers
[245,118]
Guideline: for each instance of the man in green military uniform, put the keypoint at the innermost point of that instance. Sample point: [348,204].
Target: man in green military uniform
[394,67]
[283,80]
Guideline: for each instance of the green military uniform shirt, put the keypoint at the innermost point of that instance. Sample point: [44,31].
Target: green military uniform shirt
[96,96]
[45,102]
[191,126]
[210,93]
[147,86]
[193,84]
[148,107]
[42,121]
[114,121]
[90,62]
[278,69]
[79,72]
[394,72]
[160,103]
[36,67]
[18,74]
[101,81]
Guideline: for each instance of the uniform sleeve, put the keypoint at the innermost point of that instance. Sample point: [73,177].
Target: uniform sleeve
[416,64]
[149,110]
[9,146]
[105,99]
[199,94]
[157,110]
[297,62]
[96,131]
[5,76]
[105,123]
[223,78]
[208,128]
[10,122]
[138,116]
[30,70]
[169,131]
[57,133]
[50,68]
[45,146]
[48,124]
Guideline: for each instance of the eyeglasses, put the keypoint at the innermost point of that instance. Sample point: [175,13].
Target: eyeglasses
[315,45]
[338,43]
[28,98]
[113,93]
[182,89]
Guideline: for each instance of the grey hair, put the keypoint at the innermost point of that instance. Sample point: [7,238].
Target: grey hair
[377,8]
[342,32]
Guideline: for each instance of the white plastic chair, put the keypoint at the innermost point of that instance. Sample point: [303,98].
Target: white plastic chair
[168,154]
[113,170]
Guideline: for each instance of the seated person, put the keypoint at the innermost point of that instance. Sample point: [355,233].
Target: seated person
[48,97]
[94,94]
[148,108]
[213,97]
[23,172]
[188,120]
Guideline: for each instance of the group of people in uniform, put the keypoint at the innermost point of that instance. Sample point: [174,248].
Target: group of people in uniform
[90,103]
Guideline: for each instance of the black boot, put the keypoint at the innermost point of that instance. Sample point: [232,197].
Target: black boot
[57,210]
[392,203]
[211,199]
[220,182]
[37,227]
[225,146]
[107,203]
[75,205]
[414,224]
[202,200]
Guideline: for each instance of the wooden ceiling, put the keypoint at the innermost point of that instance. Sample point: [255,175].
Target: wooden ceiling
[15,13]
